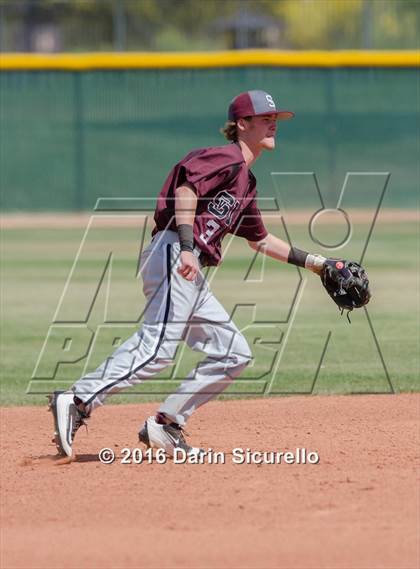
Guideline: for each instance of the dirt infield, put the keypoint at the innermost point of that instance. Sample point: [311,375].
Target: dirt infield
[357,508]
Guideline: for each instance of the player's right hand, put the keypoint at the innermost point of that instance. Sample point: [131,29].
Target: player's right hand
[189,265]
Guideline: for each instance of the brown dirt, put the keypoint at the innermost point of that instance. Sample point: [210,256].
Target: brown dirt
[122,219]
[358,508]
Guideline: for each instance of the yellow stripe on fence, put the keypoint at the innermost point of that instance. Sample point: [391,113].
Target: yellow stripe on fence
[176,60]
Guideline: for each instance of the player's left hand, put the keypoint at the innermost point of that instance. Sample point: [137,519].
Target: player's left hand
[189,266]
[346,282]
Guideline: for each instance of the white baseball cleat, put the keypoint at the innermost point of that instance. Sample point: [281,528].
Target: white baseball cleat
[168,437]
[67,420]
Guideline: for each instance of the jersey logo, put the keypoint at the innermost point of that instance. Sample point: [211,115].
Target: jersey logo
[223,206]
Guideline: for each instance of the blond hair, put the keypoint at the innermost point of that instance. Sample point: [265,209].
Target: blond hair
[230,130]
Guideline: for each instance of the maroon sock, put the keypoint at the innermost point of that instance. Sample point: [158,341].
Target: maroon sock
[81,406]
[161,419]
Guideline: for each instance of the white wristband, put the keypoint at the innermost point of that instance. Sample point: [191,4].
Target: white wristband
[315,263]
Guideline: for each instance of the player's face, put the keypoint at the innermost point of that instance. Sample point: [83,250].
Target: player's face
[262,131]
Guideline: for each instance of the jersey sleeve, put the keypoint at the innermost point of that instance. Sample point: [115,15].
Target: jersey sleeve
[250,224]
[206,170]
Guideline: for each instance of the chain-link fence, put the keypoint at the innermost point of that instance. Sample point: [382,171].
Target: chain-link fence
[71,138]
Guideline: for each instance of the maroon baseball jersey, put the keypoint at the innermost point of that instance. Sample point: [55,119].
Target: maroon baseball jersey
[226,192]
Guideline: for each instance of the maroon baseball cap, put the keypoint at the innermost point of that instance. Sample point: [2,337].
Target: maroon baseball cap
[254,103]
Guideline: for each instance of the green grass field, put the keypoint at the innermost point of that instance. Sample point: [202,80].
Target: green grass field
[287,344]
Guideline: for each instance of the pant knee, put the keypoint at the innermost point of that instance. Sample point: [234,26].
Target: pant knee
[241,360]
[240,353]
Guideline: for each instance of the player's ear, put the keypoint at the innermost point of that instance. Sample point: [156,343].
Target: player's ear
[240,125]
[243,123]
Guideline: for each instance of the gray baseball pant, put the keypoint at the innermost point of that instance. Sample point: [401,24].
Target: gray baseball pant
[176,310]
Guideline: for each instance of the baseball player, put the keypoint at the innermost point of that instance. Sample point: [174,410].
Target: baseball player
[209,193]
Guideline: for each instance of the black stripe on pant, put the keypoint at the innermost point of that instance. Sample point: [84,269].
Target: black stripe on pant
[161,336]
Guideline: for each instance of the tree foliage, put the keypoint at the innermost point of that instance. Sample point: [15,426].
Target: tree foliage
[188,24]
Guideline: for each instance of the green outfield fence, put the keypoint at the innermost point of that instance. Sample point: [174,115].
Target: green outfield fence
[75,128]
